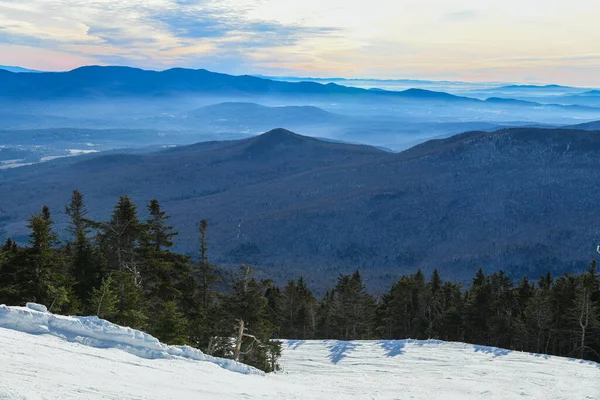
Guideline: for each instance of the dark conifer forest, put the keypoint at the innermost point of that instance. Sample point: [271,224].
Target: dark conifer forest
[124,270]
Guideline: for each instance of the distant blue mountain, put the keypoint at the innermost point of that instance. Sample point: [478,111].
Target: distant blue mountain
[500,100]
[416,82]
[96,81]
[16,69]
[535,87]
[587,126]
[524,103]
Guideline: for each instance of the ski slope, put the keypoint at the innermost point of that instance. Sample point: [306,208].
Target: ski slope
[46,356]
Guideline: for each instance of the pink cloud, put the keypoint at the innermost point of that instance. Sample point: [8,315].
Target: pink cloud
[41,59]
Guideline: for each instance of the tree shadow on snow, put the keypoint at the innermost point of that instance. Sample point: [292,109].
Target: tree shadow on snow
[340,350]
[396,347]
[544,356]
[393,348]
[588,362]
[294,344]
[491,350]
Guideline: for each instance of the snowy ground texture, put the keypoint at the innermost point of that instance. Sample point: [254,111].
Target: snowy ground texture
[46,356]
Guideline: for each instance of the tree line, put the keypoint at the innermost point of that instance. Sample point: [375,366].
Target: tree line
[124,270]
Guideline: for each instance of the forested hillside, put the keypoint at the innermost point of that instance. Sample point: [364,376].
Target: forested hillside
[125,270]
[523,200]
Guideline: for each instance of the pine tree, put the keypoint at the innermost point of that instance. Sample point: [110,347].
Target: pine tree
[164,273]
[298,311]
[171,326]
[204,329]
[586,310]
[248,312]
[478,305]
[44,282]
[85,264]
[538,321]
[120,239]
[274,307]
[205,270]
[9,246]
[433,305]
[105,299]
[563,301]
[436,282]
[15,274]
[159,235]
[351,308]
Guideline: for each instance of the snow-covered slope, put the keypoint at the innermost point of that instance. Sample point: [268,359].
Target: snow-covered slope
[96,332]
[87,358]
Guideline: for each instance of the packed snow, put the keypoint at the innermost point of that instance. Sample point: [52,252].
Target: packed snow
[96,332]
[47,356]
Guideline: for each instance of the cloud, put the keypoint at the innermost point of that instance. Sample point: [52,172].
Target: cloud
[158,32]
[430,39]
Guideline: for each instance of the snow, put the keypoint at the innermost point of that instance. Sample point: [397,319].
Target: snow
[96,332]
[47,356]
[77,152]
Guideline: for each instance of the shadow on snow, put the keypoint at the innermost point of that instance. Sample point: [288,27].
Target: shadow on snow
[497,352]
[338,350]
[294,344]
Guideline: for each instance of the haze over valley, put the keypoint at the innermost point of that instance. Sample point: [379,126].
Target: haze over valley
[47,115]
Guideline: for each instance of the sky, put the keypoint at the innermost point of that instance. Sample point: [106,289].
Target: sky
[529,41]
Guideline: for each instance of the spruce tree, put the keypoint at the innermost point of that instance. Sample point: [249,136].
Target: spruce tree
[433,306]
[120,239]
[85,263]
[171,326]
[104,300]
[478,305]
[158,234]
[205,270]
[44,283]
[247,307]
[165,273]
[275,300]
[205,327]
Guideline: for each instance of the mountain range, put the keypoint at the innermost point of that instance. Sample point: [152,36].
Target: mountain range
[519,199]
[16,69]
[98,82]
[101,82]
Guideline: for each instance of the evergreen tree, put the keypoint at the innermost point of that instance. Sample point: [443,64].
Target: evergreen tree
[538,322]
[104,300]
[164,273]
[275,312]
[248,312]
[478,310]
[586,311]
[120,239]
[298,311]
[171,326]
[158,235]
[205,327]
[564,324]
[205,270]
[351,308]
[433,306]
[42,280]
[85,263]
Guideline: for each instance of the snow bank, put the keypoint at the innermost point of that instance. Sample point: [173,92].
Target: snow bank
[99,333]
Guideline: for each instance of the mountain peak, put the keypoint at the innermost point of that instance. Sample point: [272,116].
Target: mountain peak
[281,133]
[276,140]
